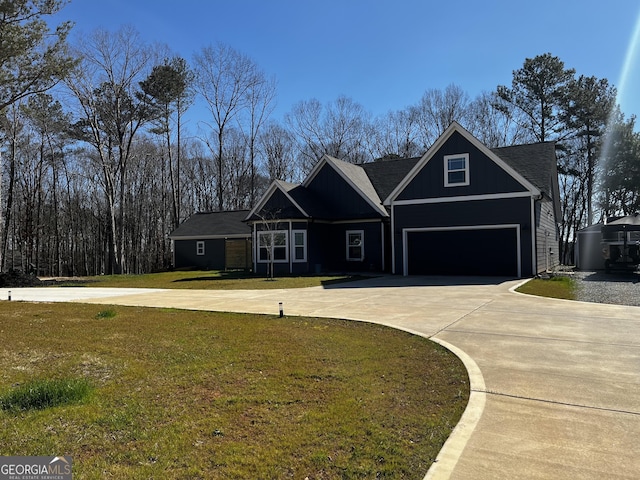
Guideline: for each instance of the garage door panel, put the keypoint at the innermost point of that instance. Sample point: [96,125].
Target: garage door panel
[463,252]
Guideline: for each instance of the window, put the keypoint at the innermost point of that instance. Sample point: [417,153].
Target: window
[456,170]
[200,248]
[299,245]
[355,245]
[272,246]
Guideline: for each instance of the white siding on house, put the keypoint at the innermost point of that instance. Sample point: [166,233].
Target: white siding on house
[547,238]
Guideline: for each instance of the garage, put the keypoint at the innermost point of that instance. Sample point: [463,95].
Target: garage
[473,250]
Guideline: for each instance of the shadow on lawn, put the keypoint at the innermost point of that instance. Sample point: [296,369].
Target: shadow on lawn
[328,283]
[417,281]
[367,281]
[218,276]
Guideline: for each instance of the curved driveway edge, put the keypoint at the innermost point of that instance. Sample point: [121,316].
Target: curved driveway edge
[452,449]
[562,378]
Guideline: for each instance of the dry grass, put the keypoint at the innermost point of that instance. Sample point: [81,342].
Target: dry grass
[207,395]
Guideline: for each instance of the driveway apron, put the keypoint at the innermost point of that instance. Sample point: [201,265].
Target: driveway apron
[555,384]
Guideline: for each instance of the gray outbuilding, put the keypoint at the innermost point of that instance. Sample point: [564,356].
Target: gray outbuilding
[213,241]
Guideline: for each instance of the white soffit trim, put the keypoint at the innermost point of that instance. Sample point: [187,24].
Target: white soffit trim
[463,198]
[456,127]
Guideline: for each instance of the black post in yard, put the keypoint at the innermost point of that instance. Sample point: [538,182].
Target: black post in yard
[281,310]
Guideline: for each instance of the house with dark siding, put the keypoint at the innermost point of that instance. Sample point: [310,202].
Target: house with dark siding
[460,209]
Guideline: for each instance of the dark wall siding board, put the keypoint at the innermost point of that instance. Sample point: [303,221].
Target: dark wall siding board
[319,249]
[213,259]
[279,206]
[372,246]
[485,176]
[472,213]
[339,197]
[464,252]
[479,212]
[327,247]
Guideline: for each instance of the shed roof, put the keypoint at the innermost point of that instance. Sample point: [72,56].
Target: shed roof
[213,225]
[626,220]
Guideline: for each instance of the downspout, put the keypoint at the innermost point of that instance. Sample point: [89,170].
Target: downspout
[290,247]
[534,246]
[173,253]
[382,243]
[254,249]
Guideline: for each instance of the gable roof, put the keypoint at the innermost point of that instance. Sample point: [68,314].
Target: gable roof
[456,127]
[213,225]
[355,176]
[287,189]
[533,166]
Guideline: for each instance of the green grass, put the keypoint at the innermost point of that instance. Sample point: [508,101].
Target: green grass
[182,394]
[46,393]
[108,313]
[209,280]
[554,287]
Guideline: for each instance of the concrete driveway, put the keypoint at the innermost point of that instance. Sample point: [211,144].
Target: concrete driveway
[555,384]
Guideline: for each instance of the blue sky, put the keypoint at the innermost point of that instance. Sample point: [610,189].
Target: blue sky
[385,54]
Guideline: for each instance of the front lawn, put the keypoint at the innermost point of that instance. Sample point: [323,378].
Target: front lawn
[181,394]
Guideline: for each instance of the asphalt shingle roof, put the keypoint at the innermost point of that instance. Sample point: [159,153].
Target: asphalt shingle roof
[385,175]
[358,175]
[209,224]
[536,162]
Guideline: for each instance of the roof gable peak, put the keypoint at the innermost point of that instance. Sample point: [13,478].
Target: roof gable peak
[354,175]
[285,188]
[455,127]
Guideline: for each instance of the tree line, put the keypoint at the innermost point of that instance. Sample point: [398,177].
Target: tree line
[98,167]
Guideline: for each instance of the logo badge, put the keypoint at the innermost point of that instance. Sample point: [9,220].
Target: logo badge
[35,468]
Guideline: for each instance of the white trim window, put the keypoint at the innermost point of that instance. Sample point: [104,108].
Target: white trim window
[273,246]
[355,245]
[200,247]
[299,245]
[456,170]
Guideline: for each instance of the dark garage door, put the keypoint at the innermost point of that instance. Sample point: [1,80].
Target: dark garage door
[463,252]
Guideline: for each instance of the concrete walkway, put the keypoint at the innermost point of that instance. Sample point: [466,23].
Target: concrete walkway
[555,384]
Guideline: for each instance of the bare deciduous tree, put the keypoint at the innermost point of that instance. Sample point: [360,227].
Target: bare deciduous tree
[341,129]
[110,116]
[438,109]
[277,147]
[397,133]
[225,79]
